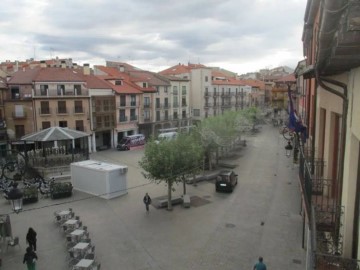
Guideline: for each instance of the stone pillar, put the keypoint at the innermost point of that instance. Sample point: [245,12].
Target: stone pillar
[94,142]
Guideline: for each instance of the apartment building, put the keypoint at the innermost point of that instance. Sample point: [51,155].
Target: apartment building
[330,160]
[3,133]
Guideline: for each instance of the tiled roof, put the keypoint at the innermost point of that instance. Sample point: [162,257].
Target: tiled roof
[287,78]
[3,83]
[175,70]
[255,83]
[52,74]
[95,82]
[24,76]
[150,77]
[228,81]
[125,88]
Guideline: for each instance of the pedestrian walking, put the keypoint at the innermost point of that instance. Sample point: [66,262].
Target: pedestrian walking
[147,201]
[260,265]
[30,258]
[31,238]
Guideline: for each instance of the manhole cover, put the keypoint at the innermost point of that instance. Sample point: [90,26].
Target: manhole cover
[296,261]
[229,225]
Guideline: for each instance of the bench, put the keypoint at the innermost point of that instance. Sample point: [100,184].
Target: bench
[186,201]
[174,200]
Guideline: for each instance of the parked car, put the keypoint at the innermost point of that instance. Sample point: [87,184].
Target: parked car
[167,136]
[129,141]
[226,181]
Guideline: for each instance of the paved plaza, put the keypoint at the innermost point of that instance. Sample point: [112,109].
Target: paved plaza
[221,231]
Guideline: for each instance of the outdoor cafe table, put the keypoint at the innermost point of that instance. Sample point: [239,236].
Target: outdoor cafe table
[77,233]
[84,264]
[71,222]
[64,214]
[81,247]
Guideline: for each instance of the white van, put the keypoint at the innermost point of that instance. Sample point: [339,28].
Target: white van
[167,136]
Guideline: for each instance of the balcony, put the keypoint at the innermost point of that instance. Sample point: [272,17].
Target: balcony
[158,106]
[166,105]
[64,93]
[123,119]
[183,104]
[44,111]
[175,105]
[147,119]
[326,215]
[207,94]
[133,118]
[147,105]
[132,103]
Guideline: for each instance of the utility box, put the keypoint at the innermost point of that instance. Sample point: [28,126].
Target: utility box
[99,178]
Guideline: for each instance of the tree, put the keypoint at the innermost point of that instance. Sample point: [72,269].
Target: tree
[171,161]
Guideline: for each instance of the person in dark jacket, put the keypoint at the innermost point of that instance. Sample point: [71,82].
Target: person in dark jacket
[31,238]
[30,258]
[147,201]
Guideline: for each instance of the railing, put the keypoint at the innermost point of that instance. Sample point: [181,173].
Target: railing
[78,110]
[66,92]
[123,119]
[175,105]
[44,111]
[133,118]
[147,105]
[326,216]
[62,111]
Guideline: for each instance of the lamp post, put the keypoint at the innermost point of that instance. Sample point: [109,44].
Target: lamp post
[288,149]
[15,196]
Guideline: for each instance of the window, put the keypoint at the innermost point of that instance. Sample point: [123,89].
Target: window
[165,89]
[62,107]
[45,124]
[122,116]
[98,105]
[19,111]
[98,122]
[146,115]
[79,125]
[60,89]
[44,107]
[107,120]
[206,78]
[118,82]
[43,89]
[106,105]
[175,101]
[157,103]
[19,131]
[144,85]
[183,114]
[146,102]
[183,90]
[77,89]
[196,112]
[175,90]
[157,115]
[175,115]
[62,123]
[133,115]
[166,103]
[15,92]
[132,100]
[78,106]
[122,100]
[183,101]
[166,115]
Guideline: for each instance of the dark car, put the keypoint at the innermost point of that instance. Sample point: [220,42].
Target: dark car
[226,181]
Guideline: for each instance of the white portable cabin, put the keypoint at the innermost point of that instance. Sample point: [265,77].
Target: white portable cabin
[99,178]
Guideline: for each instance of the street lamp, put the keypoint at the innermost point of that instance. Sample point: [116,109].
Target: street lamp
[15,196]
[288,149]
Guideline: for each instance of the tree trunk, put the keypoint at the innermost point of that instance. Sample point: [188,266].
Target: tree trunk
[184,185]
[169,206]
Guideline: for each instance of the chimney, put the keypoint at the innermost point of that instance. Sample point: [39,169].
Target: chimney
[42,64]
[16,65]
[86,69]
[121,68]
[63,64]
[8,77]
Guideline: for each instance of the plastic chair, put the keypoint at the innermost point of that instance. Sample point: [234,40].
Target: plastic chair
[90,256]
[85,228]
[77,217]
[13,242]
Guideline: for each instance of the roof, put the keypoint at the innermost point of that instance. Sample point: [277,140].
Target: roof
[3,83]
[150,77]
[52,74]
[25,76]
[54,134]
[180,69]
[287,78]
[95,82]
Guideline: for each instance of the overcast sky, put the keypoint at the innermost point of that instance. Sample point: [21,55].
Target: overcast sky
[238,35]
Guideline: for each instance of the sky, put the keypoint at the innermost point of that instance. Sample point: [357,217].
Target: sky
[237,35]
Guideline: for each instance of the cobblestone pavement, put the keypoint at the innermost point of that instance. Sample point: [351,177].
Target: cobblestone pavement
[261,217]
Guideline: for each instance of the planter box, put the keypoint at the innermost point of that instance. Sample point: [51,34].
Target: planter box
[61,190]
[30,195]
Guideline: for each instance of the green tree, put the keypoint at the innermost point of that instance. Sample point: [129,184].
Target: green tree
[171,161]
